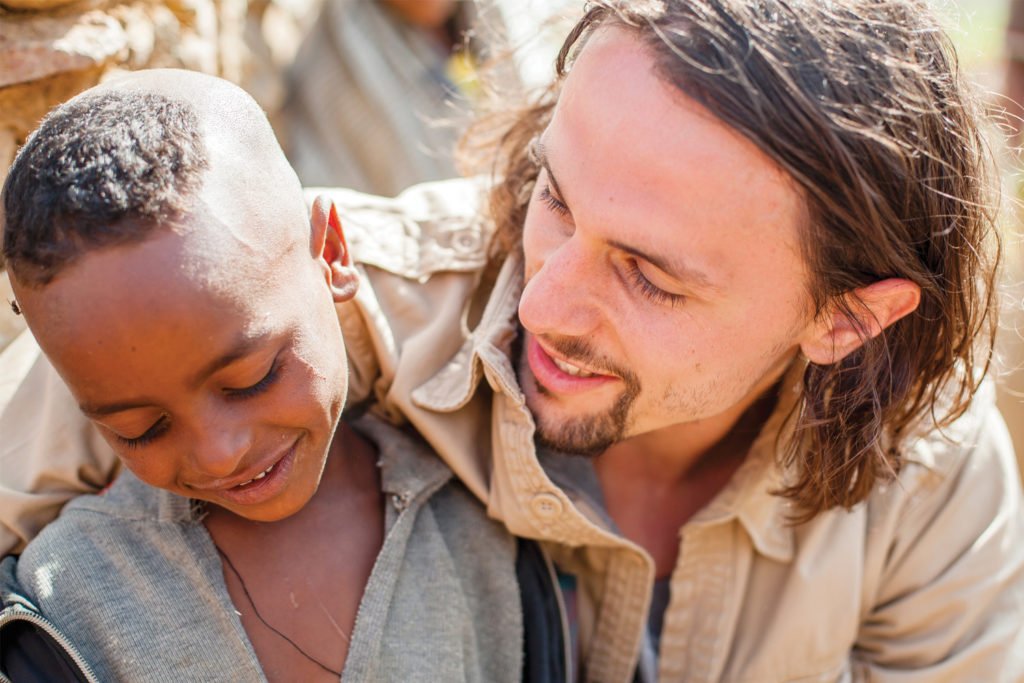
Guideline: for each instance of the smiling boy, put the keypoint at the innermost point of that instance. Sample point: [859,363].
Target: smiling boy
[162,254]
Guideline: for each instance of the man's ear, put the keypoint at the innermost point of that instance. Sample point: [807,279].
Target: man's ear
[841,330]
[330,249]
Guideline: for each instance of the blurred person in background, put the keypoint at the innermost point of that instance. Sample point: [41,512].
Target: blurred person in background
[378,92]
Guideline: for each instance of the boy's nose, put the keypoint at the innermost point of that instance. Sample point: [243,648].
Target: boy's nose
[220,451]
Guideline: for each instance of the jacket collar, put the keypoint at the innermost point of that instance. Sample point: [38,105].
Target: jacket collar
[408,467]
[749,497]
[485,352]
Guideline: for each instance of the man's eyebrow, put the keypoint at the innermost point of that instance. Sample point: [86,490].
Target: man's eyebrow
[679,271]
[540,153]
[243,346]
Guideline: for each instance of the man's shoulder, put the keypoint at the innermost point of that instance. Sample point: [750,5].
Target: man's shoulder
[944,552]
[429,228]
[958,483]
[976,444]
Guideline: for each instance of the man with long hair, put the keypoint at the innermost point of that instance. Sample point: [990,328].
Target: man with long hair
[727,356]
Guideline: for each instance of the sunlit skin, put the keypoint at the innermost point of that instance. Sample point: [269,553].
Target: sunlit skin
[210,352]
[663,256]
[715,322]
[199,381]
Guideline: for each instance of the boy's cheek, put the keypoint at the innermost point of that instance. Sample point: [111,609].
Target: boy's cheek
[152,467]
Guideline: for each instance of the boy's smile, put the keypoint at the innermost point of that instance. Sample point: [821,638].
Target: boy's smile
[210,358]
[266,484]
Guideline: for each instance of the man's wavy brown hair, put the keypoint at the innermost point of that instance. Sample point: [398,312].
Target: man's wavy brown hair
[863,104]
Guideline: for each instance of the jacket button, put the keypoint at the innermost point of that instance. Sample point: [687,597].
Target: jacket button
[401,500]
[466,241]
[546,506]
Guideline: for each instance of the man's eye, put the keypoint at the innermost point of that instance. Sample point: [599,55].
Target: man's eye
[261,386]
[650,290]
[154,432]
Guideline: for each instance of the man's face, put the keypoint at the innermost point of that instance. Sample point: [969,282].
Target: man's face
[209,357]
[664,278]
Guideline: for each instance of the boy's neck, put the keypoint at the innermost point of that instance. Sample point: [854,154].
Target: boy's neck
[303,576]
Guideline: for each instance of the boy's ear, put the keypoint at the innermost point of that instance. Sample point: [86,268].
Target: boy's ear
[330,249]
[841,330]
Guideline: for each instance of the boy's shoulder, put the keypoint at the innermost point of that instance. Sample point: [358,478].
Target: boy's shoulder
[129,524]
[135,587]
[127,503]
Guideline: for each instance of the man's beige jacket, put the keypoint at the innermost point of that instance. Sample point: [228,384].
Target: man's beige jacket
[922,582]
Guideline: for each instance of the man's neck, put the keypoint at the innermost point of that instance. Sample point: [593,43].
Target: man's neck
[654,483]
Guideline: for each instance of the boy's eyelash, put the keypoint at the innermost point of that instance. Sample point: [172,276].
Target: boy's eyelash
[158,428]
[161,425]
[555,204]
[260,386]
[650,290]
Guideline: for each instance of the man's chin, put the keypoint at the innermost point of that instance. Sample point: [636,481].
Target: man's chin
[576,432]
[588,435]
[574,443]
[559,429]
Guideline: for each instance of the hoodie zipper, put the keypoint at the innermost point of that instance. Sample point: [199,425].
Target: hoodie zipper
[18,613]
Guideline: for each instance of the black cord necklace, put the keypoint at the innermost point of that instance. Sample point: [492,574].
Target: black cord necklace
[259,616]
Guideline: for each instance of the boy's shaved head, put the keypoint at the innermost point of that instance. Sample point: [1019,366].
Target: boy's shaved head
[131,156]
[164,259]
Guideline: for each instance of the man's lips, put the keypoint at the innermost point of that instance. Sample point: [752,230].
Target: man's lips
[560,375]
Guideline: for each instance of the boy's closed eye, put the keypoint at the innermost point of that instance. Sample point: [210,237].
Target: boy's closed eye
[162,424]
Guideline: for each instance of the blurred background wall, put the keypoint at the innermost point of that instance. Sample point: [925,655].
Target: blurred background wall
[990,39]
[52,49]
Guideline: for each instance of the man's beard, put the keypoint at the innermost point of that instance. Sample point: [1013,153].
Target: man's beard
[588,435]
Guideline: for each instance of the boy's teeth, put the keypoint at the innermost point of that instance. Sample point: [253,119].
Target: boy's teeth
[571,369]
[259,476]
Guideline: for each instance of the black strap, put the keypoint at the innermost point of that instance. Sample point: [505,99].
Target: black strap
[30,655]
[543,638]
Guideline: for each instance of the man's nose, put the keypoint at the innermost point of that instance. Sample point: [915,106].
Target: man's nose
[221,444]
[559,296]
